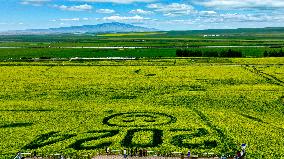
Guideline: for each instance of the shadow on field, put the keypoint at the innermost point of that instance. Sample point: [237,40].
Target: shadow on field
[13,125]
[253,118]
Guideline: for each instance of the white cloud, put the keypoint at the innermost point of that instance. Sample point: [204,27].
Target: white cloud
[140,11]
[173,9]
[105,11]
[234,4]
[239,18]
[70,19]
[116,1]
[34,2]
[123,18]
[236,17]
[207,12]
[84,7]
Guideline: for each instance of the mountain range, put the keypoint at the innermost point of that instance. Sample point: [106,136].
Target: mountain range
[113,27]
[116,27]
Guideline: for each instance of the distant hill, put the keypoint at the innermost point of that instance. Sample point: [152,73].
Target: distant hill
[240,31]
[114,27]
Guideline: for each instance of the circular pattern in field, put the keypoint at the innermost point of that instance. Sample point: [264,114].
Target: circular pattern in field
[139,119]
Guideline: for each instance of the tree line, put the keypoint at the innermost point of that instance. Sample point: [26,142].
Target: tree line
[199,53]
[223,53]
[274,53]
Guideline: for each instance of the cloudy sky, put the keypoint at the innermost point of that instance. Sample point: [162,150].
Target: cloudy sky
[160,14]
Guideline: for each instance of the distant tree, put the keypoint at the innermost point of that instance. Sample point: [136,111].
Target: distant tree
[273,53]
[183,53]
[266,54]
[223,53]
[195,53]
[199,53]
[281,53]
[186,53]
[237,54]
[179,53]
[210,54]
[231,53]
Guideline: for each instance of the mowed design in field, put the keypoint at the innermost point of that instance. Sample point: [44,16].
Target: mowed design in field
[83,109]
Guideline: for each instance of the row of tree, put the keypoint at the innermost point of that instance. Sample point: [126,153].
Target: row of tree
[199,53]
[274,53]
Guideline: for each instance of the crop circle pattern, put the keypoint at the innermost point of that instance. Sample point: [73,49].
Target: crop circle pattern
[139,119]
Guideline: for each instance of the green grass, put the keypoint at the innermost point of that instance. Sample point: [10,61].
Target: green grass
[18,53]
[69,53]
[209,107]
[150,42]
[158,39]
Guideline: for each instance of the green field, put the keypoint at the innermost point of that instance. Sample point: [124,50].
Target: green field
[157,101]
[154,44]
[164,105]
[11,54]
[151,39]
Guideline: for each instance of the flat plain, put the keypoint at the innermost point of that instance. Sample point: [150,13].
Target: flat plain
[52,104]
[207,107]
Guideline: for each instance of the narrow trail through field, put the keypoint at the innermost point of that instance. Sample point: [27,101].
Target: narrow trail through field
[272,79]
[224,138]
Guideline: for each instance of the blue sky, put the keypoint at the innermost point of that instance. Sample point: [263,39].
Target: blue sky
[159,14]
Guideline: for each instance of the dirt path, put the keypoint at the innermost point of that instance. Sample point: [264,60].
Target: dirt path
[150,157]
